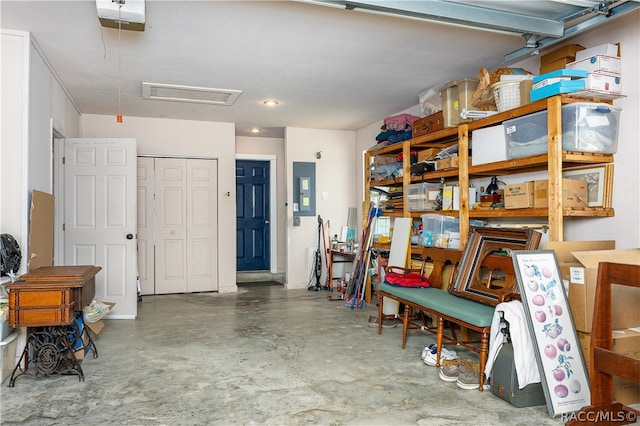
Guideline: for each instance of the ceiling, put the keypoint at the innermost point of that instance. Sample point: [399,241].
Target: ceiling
[335,67]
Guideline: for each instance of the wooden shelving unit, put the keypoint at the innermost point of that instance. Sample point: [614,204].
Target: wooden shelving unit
[553,162]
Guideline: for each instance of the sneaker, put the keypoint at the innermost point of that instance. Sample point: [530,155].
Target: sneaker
[451,369]
[431,348]
[469,377]
[386,322]
[430,358]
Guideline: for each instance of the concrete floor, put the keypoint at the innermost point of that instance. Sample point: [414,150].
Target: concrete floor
[264,355]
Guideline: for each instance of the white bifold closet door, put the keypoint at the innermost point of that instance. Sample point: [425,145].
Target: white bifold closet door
[146,226]
[185,226]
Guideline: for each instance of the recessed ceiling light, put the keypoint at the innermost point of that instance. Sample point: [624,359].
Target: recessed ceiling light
[255,130]
[270,102]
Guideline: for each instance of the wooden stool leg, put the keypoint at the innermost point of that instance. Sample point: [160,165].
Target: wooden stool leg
[484,350]
[405,325]
[439,339]
[380,298]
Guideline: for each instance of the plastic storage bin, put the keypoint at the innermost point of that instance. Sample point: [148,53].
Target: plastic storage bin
[456,96]
[422,196]
[438,230]
[8,348]
[5,330]
[586,127]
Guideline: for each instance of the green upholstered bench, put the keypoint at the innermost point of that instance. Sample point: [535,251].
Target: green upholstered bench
[446,307]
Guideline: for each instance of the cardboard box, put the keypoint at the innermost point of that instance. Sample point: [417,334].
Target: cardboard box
[598,63]
[548,81]
[556,65]
[451,197]
[566,51]
[447,197]
[607,49]
[609,83]
[444,163]
[427,154]
[488,145]
[575,193]
[624,299]
[578,288]
[456,197]
[518,196]
[578,262]
[525,91]
[626,342]
[449,163]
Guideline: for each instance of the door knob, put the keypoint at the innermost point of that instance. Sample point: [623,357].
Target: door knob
[267,221]
[129,236]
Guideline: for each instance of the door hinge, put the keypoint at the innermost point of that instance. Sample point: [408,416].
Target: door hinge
[64,160]
[63,227]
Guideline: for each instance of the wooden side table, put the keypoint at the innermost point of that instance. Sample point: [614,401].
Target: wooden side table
[47,301]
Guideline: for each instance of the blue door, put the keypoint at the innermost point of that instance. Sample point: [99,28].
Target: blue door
[252,215]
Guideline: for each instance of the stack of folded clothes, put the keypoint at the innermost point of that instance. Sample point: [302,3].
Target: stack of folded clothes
[396,128]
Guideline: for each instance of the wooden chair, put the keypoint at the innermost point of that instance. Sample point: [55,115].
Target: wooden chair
[605,364]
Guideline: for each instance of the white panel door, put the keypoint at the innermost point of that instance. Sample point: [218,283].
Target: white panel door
[146,238]
[202,225]
[171,225]
[100,216]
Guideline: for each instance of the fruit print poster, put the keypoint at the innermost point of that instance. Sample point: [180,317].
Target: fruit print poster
[562,369]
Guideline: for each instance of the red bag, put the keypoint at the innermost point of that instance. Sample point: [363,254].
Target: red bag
[411,279]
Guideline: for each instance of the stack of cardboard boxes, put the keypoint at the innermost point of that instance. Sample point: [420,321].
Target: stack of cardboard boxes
[604,68]
[601,66]
[559,58]
[535,194]
[578,261]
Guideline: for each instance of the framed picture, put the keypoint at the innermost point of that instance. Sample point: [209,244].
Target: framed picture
[564,377]
[599,183]
[486,269]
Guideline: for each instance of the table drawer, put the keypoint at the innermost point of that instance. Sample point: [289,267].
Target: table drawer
[39,308]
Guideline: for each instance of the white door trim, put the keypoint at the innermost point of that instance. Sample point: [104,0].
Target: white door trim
[58,192]
[273,207]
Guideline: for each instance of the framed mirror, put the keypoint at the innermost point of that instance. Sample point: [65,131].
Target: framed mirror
[486,270]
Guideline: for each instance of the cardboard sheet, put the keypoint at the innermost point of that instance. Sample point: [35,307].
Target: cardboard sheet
[41,230]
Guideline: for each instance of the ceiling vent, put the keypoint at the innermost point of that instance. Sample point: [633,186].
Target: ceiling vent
[121,14]
[200,95]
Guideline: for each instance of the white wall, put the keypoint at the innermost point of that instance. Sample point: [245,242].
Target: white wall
[32,99]
[257,147]
[336,175]
[624,228]
[156,136]
[14,134]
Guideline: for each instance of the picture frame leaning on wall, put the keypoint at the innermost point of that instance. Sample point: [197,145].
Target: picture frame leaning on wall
[599,183]
[564,377]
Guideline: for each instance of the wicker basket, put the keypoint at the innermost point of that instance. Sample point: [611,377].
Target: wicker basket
[507,94]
